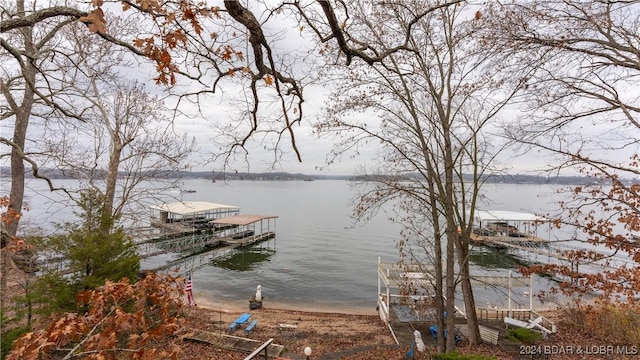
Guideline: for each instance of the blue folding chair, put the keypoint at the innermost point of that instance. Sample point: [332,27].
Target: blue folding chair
[433,329]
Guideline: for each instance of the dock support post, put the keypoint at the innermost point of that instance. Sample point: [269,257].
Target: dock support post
[530,293]
[379,286]
[510,294]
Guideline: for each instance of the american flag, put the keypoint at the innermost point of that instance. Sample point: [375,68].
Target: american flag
[189,290]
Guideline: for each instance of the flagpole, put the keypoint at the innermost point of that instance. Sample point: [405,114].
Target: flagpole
[189,291]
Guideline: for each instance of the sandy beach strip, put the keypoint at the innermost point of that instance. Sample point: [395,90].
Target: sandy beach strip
[242,305]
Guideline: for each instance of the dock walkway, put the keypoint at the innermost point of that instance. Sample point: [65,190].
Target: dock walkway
[504,239]
[177,242]
[232,231]
[226,244]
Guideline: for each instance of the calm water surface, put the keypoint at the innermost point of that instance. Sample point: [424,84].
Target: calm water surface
[319,255]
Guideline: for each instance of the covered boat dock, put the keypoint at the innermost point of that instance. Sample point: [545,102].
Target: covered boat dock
[246,229]
[502,229]
[182,226]
[194,214]
[232,232]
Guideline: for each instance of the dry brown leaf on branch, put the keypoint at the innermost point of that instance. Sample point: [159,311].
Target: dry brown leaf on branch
[95,21]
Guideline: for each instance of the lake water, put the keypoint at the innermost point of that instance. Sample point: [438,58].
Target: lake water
[319,257]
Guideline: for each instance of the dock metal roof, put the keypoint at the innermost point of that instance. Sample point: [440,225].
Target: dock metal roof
[500,215]
[242,220]
[192,207]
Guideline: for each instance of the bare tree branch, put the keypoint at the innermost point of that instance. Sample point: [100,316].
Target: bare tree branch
[35,169]
[38,16]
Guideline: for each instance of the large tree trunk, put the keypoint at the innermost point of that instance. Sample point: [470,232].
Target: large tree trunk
[450,205]
[467,291]
[23,113]
[437,252]
[439,280]
[451,290]
[6,263]
[16,193]
[451,232]
[110,191]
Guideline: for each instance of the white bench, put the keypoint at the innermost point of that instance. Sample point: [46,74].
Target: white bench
[489,335]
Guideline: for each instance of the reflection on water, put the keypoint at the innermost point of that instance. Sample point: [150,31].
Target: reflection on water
[244,259]
[223,257]
[490,258]
[493,259]
[322,256]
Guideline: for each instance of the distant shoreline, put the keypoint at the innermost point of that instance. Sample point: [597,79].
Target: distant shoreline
[284,176]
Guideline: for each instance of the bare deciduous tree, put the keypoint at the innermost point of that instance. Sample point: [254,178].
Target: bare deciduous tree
[204,45]
[127,136]
[26,60]
[582,109]
[35,82]
[430,111]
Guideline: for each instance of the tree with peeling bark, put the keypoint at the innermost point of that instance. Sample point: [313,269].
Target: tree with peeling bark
[26,56]
[133,135]
[36,82]
[434,105]
[581,109]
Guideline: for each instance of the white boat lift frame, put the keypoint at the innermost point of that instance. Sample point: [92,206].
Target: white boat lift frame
[395,275]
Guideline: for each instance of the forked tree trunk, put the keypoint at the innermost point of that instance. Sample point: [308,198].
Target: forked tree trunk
[467,292]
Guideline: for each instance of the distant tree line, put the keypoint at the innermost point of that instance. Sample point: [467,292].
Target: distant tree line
[285,176]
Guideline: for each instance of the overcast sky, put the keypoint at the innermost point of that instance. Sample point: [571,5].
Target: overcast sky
[218,108]
[313,150]
[297,47]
